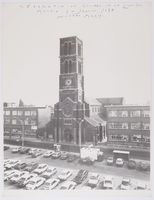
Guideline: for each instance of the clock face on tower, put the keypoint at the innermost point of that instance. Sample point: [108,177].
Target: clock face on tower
[68,82]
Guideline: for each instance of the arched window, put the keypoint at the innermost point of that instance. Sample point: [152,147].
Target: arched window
[65,48]
[70,66]
[66,67]
[69,48]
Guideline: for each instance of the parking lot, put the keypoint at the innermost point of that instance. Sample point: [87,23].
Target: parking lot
[101,168]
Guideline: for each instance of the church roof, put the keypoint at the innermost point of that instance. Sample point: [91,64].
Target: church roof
[95,120]
[91,102]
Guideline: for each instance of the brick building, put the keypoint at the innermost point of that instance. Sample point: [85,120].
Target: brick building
[128,125]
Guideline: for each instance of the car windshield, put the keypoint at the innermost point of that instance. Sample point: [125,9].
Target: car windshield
[22,179]
[16,175]
[47,184]
[125,182]
[32,182]
[40,167]
[93,177]
[63,188]
[108,181]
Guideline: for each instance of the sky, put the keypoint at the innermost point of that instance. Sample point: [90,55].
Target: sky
[116,52]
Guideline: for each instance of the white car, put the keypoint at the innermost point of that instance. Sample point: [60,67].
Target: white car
[41,168]
[24,180]
[93,180]
[12,164]
[141,186]
[69,185]
[107,183]
[31,151]
[35,183]
[119,162]
[16,149]
[49,172]
[50,184]
[16,177]
[9,174]
[48,154]
[65,174]
[125,184]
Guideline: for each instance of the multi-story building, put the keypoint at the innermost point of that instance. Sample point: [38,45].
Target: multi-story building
[25,118]
[128,125]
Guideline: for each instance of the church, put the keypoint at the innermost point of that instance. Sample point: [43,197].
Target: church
[76,121]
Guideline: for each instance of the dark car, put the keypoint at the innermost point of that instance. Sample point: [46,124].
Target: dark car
[6,148]
[81,176]
[20,166]
[31,166]
[36,154]
[64,156]
[86,161]
[71,158]
[24,150]
[131,164]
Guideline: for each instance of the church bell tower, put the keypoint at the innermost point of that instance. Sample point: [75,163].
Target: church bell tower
[69,111]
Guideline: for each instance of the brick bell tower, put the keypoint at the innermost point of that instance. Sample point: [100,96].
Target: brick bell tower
[69,112]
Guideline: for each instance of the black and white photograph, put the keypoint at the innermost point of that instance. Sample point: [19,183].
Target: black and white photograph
[76,97]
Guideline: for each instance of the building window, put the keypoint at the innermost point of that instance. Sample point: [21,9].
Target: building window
[67,122]
[66,67]
[135,113]
[112,113]
[146,126]
[20,112]
[123,138]
[65,48]
[70,66]
[27,113]
[33,122]
[123,113]
[136,138]
[14,121]
[26,122]
[118,125]
[14,112]
[7,112]
[146,113]
[136,126]
[33,113]
[79,49]
[146,139]
[7,121]
[69,48]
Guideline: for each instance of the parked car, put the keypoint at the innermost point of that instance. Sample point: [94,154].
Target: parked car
[6,147]
[15,178]
[141,186]
[41,168]
[107,183]
[71,158]
[24,150]
[119,162]
[24,180]
[143,166]
[65,174]
[81,176]
[12,164]
[131,164]
[125,184]
[49,172]
[31,166]
[9,174]
[15,149]
[35,183]
[64,155]
[110,161]
[93,180]
[86,161]
[50,184]
[20,165]
[69,185]
[48,154]
[56,154]
[36,153]
[31,151]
